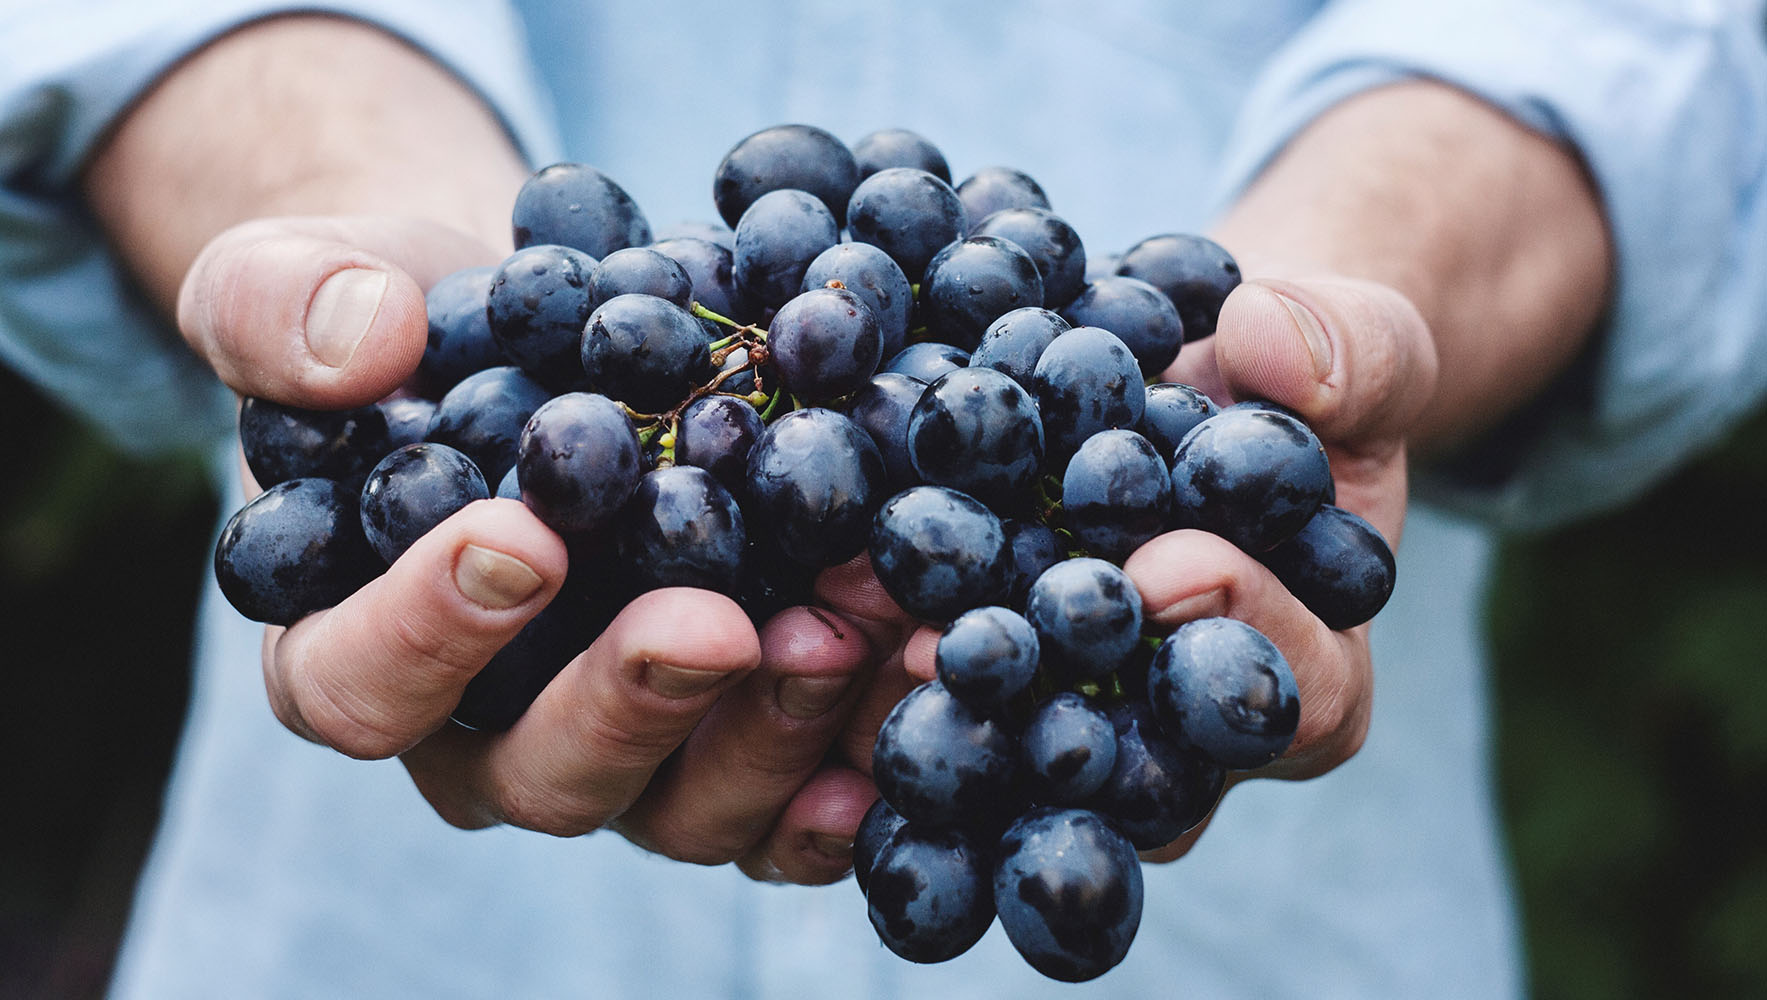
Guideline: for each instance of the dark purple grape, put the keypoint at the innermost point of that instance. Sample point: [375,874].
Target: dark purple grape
[870,274]
[1252,476]
[1050,242]
[1331,492]
[939,553]
[973,282]
[1069,892]
[1067,750]
[898,147]
[1087,614]
[1032,547]
[484,414]
[1013,343]
[996,189]
[976,431]
[1338,565]
[773,581]
[1085,381]
[509,487]
[460,340]
[294,549]
[824,343]
[931,897]
[1219,687]
[640,271]
[987,657]
[286,442]
[1140,316]
[776,239]
[500,692]
[1102,267]
[881,407]
[710,269]
[414,489]
[681,528]
[647,352]
[875,830]
[938,763]
[575,205]
[1116,494]
[802,157]
[927,360]
[408,419]
[1196,273]
[539,301]
[716,434]
[909,214]
[578,462]
[1156,791]
[814,481]
[1172,410]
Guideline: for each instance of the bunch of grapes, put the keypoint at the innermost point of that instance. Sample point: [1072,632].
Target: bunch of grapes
[870,361]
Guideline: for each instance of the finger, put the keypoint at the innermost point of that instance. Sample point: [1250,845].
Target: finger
[726,787]
[590,743]
[377,673]
[1186,575]
[853,590]
[812,844]
[324,313]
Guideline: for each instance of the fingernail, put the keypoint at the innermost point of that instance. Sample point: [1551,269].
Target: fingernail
[341,311]
[494,579]
[810,697]
[1318,344]
[679,682]
[838,848]
[1208,604]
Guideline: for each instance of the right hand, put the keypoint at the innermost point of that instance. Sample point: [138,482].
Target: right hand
[328,313]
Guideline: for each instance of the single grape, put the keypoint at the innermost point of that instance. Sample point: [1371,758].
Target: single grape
[987,657]
[1053,244]
[1069,892]
[460,340]
[824,343]
[1085,381]
[716,433]
[647,352]
[1068,750]
[972,282]
[643,271]
[1338,565]
[1116,494]
[1219,687]
[284,442]
[408,419]
[1253,476]
[776,239]
[875,829]
[1156,790]
[1172,410]
[909,214]
[898,147]
[1196,273]
[681,528]
[538,303]
[294,549]
[814,481]
[996,189]
[785,156]
[1013,343]
[937,762]
[1087,614]
[870,274]
[976,431]
[414,489]
[882,407]
[711,270]
[939,552]
[1032,547]
[578,462]
[484,414]
[931,894]
[578,206]
[1138,313]
[927,360]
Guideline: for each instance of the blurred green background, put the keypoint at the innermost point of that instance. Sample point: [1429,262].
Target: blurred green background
[1631,688]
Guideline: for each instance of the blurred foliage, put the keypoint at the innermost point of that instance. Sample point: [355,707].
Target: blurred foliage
[1631,656]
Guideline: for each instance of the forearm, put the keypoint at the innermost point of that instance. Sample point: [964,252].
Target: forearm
[298,115]
[1494,232]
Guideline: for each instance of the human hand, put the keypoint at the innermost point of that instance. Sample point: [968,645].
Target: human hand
[681,726]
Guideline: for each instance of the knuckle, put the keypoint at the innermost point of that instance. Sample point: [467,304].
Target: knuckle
[350,725]
[452,654]
[547,812]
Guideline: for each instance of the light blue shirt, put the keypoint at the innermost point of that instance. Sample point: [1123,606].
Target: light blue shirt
[285,870]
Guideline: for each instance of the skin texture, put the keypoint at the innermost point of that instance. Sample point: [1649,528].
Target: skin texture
[1417,266]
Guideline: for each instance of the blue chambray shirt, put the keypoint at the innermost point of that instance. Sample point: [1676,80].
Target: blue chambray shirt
[283,870]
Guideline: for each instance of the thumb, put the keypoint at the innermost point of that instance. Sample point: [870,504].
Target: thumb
[1353,357]
[318,312]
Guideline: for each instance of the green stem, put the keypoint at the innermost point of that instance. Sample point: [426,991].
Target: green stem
[703,313]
